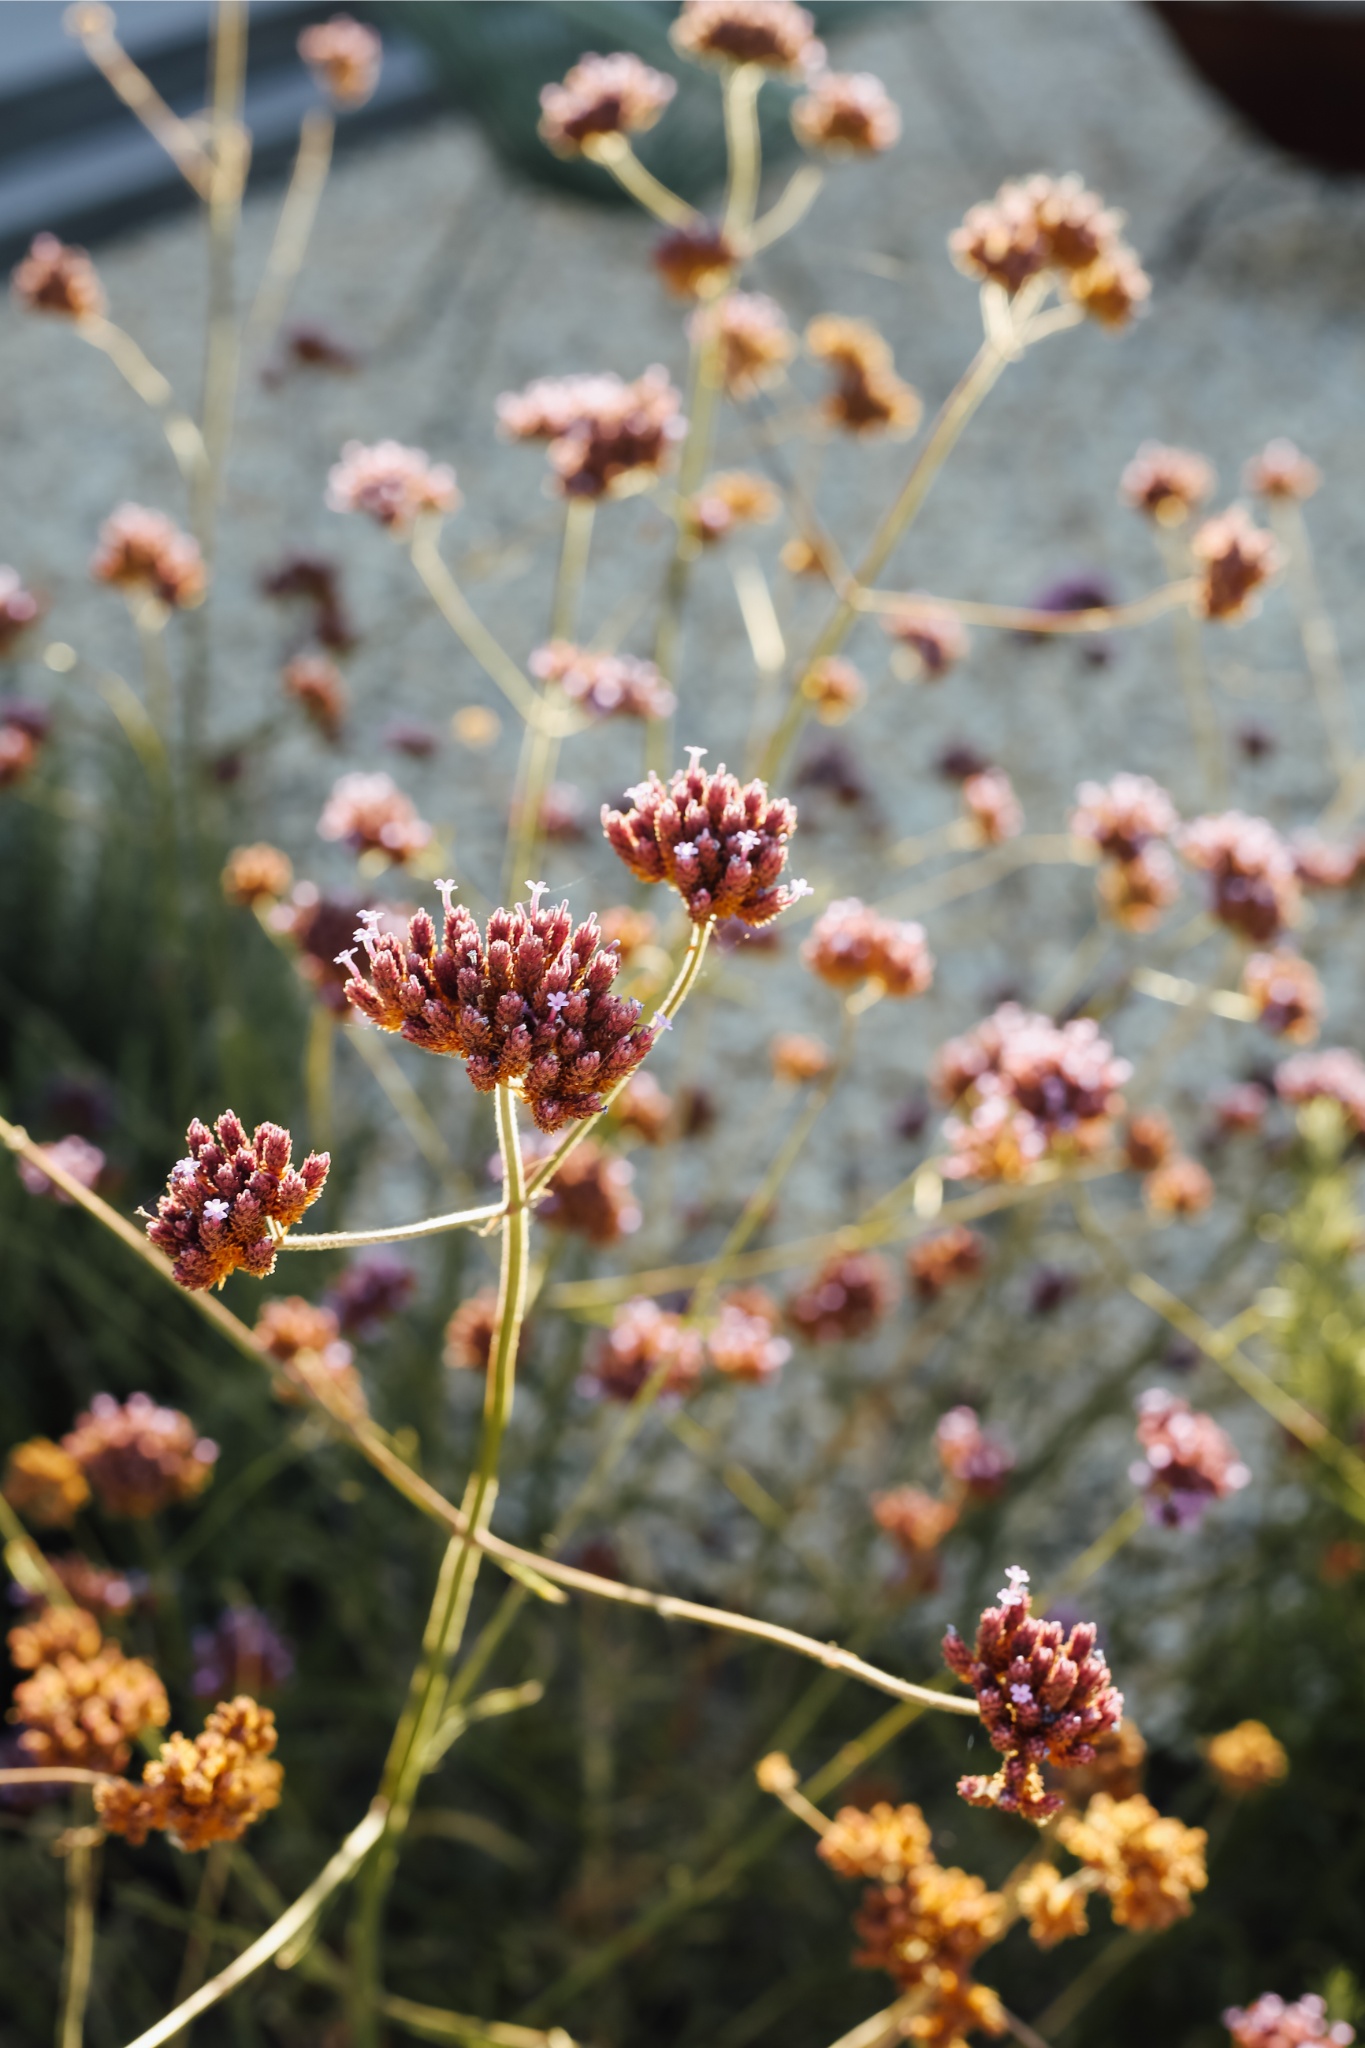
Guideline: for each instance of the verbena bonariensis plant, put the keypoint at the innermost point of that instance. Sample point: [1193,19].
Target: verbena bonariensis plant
[558,1017]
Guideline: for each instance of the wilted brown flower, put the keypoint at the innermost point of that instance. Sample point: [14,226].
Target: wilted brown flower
[1031,1087]
[18,610]
[643,1107]
[1148,1141]
[1236,559]
[915,1521]
[1053,1905]
[883,1845]
[976,1462]
[696,261]
[1334,1073]
[946,1259]
[847,1298]
[732,499]
[1287,993]
[205,1791]
[606,685]
[1189,1461]
[312,577]
[371,815]
[144,550]
[615,95]
[851,944]
[229,1199]
[344,57]
[317,685]
[1043,1698]
[86,1701]
[531,1005]
[1166,483]
[306,1337]
[1270,2023]
[391,483]
[835,688]
[1053,224]
[45,1484]
[756,344]
[54,277]
[774,33]
[256,875]
[370,1289]
[1137,892]
[989,801]
[1120,1756]
[742,1342]
[932,632]
[643,1340]
[797,1058]
[1246,1758]
[1178,1187]
[720,845]
[74,1155]
[470,1332]
[868,397]
[139,1457]
[1148,1863]
[591,1196]
[1281,471]
[605,435]
[926,1932]
[316,925]
[847,114]
[1253,888]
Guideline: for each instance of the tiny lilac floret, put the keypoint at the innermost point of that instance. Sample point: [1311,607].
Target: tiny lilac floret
[1017,1589]
[346,959]
[537,890]
[695,755]
[557,1000]
[216,1211]
[1021,1695]
[747,841]
[184,1169]
[447,889]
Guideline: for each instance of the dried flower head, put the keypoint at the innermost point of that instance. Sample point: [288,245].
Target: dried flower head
[391,483]
[720,845]
[229,1199]
[371,1289]
[371,815]
[1246,1758]
[95,1586]
[1043,1698]
[529,1004]
[989,801]
[615,95]
[847,1298]
[735,498]
[1179,1187]
[696,261]
[774,33]
[643,1340]
[1053,1905]
[258,874]
[948,1258]
[755,342]
[317,685]
[54,277]
[205,1791]
[344,57]
[1120,819]
[139,1457]
[605,685]
[591,1196]
[847,114]
[1334,1074]
[315,579]
[1148,1863]
[1287,993]
[1253,888]
[315,925]
[18,610]
[916,1522]
[868,397]
[86,1702]
[883,1845]
[1030,1087]
[1188,1461]
[1137,893]
[742,1342]
[797,1058]
[1120,1758]
[851,944]
[835,688]
[306,1338]
[18,753]
[644,1108]
[1113,289]
[1053,225]
[1271,2023]
[74,1155]
[605,436]
[144,550]
[1236,559]
[932,632]
[977,1462]
[926,1933]
[470,1332]
[44,1484]
[1282,471]
[1166,484]
[1149,1141]
[241,1652]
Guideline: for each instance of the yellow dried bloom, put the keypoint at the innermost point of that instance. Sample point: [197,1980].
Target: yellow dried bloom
[1148,1863]
[776,1773]
[1054,1905]
[205,1791]
[1247,1757]
[44,1483]
[884,1843]
[86,1701]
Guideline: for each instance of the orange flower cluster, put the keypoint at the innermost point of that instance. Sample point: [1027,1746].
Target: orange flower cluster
[1128,822]
[205,1791]
[642,1340]
[44,1484]
[1246,1758]
[344,57]
[605,685]
[868,397]
[1166,484]
[605,436]
[55,277]
[371,815]
[1287,993]
[391,484]
[257,874]
[851,944]
[1149,1864]
[949,1258]
[317,685]
[932,632]
[742,1342]
[1236,559]
[989,801]
[847,1298]
[1281,471]
[86,1702]
[470,1332]
[735,498]
[696,261]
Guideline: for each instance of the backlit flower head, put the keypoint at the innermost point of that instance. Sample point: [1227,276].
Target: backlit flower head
[1273,2023]
[1335,1073]
[721,845]
[696,261]
[644,1339]
[371,1289]
[742,1342]
[882,1845]
[470,1332]
[933,633]
[318,687]
[1287,993]
[54,277]
[1253,888]
[847,114]
[257,874]
[138,1456]
[344,57]
[847,1298]
[529,1003]
[1246,1758]
[306,1338]
[1044,1698]
[1118,1766]
[643,1108]
[614,95]
[315,926]
[1137,893]
[926,1933]
[1148,1863]
[144,550]
[1149,1141]
[868,397]
[1320,865]
[851,944]
[44,1484]
[205,1791]
[989,801]
[1054,225]
[1179,1187]
[86,1702]
[229,1199]
[370,814]
[605,435]
[1188,1461]
[1166,484]
[606,685]
[796,1057]
[1281,471]
[74,1155]
[1026,1087]
[734,498]
[947,1258]
[1236,559]
[977,1463]
[774,33]
[835,688]
[592,1196]
[916,1522]
[756,343]
[390,483]
[1120,819]
[18,607]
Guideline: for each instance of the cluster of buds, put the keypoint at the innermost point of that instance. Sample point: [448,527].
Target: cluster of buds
[530,1003]
[1274,2023]
[315,926]
[721,845]
[1118,1768]
[644,1340]
[1188,1462]
[604,435]
[977,1463]
[391,484]
[44,1484]
[318,687]
[1236,559]
[1334,1075]
[138,1457]
[1054,227]
[1246,1758]
[470,1332]
[1287,994]
[1166,484]
[242,1652]
[735,498]
[696,261]
[205,1791]
[18,609]
[55,277]
[868,397]
[592,1196]
[344,57]
[1026,1088]
[847,114]
[949,1258]
[305,1338]
[751,333]
[1282,471]
[1147,1863]
[835,688]
[851,944]
[932,634]
[86,1703]
[256,876]
[371,815]
[604,685]
[228,1202]
[1253,888]
[776,34]
[743,1343]
[615,95]
[73,1155]
[145,551]
[1128,822]
[1043,1698]
[847,1298]
[992,807]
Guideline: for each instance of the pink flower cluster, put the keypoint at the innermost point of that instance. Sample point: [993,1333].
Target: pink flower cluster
[642,1340]
[615,95]
[1128,821]
[977,1462]
[1026,1087]
[721,845]
[390,483]
[603,434]
[74,1155]
[371,815]
[229,1197]
[607,685]
[1189,1463]
[1253,888]
[1334,1073]
[1271,2023]
[852,944]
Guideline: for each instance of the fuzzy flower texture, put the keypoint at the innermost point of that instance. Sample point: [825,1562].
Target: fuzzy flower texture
[1025,1088]
[720,845]
[1043,1699]
[530,1003]
[205,1791]
[229,1199]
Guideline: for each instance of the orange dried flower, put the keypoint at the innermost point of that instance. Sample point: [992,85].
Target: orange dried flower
[1287,993]
[847,1298]
[344,57]
[868,397]
[1179,1187]
[929,1930]
[306,1338]
[643,1107]
[742,1342]
[371,815]
[144,550]
[54,1632]
[932,632]
[644,1339]
[732,499]
[883,1845]
[615,95]
[847,114]
[209,1790]
[989,801]
[606,685]
[227,1200]
[1281,471]
[774,33]
[851,944]
[45,1484]
[756,344]
[317,685]
[605,436]
[1236,559]
[55,277]
[1053,1905]
[1149,1141]
[1148,1863]
[86,1702]
[139,1457]
[697,261]
[1246,1758]
[1120,1757]
[257,874]
[915,1521]
[723,847]
[835,688]
[470,1332]
[949,1258]
[591,1196]
[1113,289]
[796,1057]
[1167,484]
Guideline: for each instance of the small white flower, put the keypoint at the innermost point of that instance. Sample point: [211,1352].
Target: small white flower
[215,1212]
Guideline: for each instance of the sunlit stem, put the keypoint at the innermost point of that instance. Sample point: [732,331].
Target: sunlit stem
[307,181]
[460,616]
[790,210]
[396,1233]
[704,386]
[1024,619]
[741,90]
[615,154]
[26,1563]
[142,376]
[318,1065]
[1194,679]
[207,1906]
[94,27]
[82,1876]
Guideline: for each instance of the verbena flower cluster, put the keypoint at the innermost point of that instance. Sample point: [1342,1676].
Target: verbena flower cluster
[203,1791]
[86,1702]
[851,944]
[721,845]
[230,1197]
[1188,1462]
[604,435]
[1025,1088]
[138,1457]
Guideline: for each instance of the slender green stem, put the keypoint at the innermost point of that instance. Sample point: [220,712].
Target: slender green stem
[82,1883]
[183,436]
[207,1907]
[25,1561]
[1319,640]
[397,1233]
[615,154]
[318,1067]
[1194,677]
[317,132]
[455,608]
[741,90]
